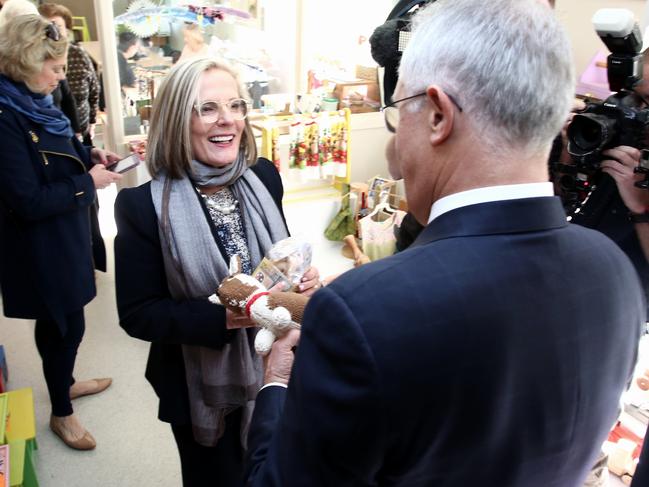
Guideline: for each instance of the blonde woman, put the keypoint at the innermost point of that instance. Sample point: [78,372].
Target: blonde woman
[48,182]
[210,198]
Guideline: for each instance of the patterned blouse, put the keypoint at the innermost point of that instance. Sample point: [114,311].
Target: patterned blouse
[226,215]
[84,85]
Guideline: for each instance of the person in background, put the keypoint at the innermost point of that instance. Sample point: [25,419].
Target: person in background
[62,95]
[48,183]
[81,74]
[194,43]
[210,199]
[14,8]
[494,350]
[127,48]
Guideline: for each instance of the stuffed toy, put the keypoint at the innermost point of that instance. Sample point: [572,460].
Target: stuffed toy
[276,312]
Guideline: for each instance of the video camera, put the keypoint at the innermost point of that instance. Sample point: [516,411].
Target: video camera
[621,119]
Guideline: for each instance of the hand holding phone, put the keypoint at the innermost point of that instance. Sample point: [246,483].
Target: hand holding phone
[125,164]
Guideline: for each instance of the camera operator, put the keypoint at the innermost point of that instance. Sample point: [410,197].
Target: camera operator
[616,207]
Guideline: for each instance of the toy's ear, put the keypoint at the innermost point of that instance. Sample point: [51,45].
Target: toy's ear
[235,265]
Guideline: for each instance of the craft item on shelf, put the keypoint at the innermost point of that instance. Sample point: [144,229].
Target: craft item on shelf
[377,229]
[4,408]
[298,146]
[359,257]
[621,461]
[317,144]
[343,223]
[140,23]
[276,312]
[360,190]
[325,152]
[376,187]
[21,436]
[143,17]
[311,133]
[4,466]
[339,134]
[643,382]
[138,146]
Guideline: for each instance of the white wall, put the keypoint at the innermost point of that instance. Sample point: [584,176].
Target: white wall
[576,16]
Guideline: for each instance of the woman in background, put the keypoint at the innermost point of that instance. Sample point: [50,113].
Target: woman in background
[81,74]
[210,199]
[48,182]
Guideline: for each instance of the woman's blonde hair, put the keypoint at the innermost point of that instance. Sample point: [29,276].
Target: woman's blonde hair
[169,141]
[25,46]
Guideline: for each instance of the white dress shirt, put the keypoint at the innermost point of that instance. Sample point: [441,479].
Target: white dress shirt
[489,194]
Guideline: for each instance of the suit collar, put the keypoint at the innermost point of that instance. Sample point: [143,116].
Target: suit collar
[494,218]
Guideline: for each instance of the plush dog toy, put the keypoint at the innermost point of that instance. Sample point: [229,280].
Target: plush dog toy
[276,312]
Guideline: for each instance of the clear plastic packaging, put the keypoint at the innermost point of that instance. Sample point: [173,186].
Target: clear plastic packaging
[285,262]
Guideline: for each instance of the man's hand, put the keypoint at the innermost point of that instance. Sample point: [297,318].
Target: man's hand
[279,362]
[577,106]
[623,160]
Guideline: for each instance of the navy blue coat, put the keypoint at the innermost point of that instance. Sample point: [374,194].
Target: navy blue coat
[492,352]
[46,263]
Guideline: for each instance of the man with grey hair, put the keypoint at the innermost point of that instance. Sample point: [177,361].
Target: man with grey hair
[492,351]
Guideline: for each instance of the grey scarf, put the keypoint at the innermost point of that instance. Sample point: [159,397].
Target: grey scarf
[219,381]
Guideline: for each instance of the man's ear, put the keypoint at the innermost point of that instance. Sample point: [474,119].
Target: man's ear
[441,116]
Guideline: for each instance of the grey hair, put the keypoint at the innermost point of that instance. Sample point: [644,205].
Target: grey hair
[507,62]
[169,141]
[24,47]
[15,8]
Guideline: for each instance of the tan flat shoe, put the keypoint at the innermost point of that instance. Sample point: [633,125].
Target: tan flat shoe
[99,386]
[86,442]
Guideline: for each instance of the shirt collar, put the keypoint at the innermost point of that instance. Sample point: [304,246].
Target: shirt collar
[488,194]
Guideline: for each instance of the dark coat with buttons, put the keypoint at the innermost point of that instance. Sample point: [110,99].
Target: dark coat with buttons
[46,262]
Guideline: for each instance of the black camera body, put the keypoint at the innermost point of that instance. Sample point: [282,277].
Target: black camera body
[621,119]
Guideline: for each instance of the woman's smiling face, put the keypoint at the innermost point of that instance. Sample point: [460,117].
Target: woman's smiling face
[217,143]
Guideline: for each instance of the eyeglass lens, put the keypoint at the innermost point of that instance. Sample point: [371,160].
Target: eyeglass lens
[210,111]
[391,116]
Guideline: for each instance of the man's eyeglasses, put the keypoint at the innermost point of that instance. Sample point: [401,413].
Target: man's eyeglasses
[52,32]
[210,111]
[391,111]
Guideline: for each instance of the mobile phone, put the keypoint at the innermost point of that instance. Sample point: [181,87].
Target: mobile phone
[125,164]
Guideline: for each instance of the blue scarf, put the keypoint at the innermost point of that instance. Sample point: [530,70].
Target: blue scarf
[36,107]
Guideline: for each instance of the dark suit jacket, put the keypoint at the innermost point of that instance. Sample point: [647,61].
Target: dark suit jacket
[492,352]
[46,263]
[146,309]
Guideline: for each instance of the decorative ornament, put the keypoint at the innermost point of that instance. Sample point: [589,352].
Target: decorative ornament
[145,18]
[142,16]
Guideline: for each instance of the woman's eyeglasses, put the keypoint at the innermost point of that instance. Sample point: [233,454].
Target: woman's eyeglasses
[52,32]
[210,111]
